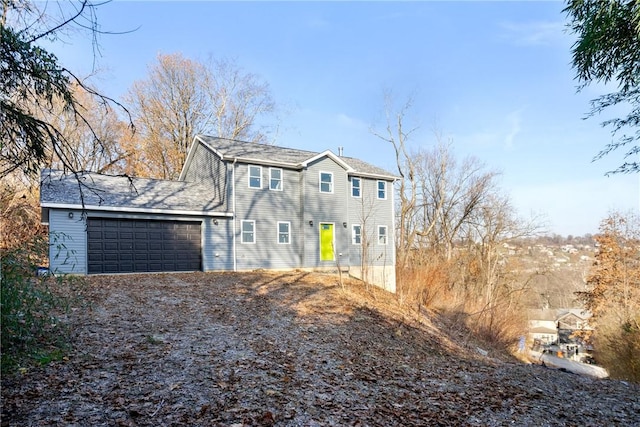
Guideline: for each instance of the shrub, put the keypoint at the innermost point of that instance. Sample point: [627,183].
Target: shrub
[30,307]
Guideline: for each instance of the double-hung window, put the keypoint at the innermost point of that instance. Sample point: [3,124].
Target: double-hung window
[326,182]
[283,233]
[275,179]
[382,234]
[356,234]
[248,231]
[355,187]
[255,176]
[382,189]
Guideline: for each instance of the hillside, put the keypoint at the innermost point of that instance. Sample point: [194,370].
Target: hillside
[287,349]
[554,270]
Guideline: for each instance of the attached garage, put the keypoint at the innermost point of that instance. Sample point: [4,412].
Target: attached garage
[140,245]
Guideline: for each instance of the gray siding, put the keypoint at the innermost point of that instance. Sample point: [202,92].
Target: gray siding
[370,212]
[217,248]
[67,242]
[267,207]
[325,208]
[205,167]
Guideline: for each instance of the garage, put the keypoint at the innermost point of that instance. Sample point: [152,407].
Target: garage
[142,245]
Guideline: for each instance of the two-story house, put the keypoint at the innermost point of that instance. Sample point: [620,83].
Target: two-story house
[236,206]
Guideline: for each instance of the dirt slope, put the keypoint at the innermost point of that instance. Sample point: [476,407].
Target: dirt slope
[289,349]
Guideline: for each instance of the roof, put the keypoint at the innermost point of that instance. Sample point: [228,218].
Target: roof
[94,191]
[556,314]
[251,152]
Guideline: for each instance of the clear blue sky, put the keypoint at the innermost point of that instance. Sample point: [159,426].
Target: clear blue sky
[494,77]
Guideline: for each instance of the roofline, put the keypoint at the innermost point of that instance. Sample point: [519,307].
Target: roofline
[296,166]
[135,210]
[263,162]
[375,175]
[329,153]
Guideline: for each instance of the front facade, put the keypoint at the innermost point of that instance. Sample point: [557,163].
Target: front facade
[253,206]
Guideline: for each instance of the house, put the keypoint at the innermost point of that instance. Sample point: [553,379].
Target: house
[542,327]
[236,206]
[557,328]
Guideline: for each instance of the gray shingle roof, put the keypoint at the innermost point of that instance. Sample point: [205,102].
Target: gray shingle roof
[259,153]
[93,190]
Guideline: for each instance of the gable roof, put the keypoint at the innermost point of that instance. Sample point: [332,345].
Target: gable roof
[556,314]
[251,152]
[94,191]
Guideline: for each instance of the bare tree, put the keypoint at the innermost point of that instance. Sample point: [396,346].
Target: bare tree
[181,98]
[450,193]
[169,108]
[93,144]
[397,136]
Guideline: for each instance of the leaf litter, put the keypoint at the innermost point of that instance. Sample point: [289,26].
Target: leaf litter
[286,349]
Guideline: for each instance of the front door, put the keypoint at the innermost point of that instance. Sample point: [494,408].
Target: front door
[326,242]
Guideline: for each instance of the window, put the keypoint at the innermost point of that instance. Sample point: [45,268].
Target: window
[356,234]
[275,179]
[382,234]
[248,232]
[255,176]
[382,190]
[355,187]
[283,233]
[326,182]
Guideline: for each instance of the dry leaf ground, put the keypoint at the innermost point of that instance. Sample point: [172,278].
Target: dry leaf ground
[286,349]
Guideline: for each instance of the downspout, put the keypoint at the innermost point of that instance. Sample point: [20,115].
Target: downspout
[303,220]
[233,209]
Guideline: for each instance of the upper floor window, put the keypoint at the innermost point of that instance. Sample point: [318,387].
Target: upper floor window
[382,189]
[248,231]
[255,176]
[275,179]
[382,234]
[355,187]
[356,234]
[283,233]
[326,182]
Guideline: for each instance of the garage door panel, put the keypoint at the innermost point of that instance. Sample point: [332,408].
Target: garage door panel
[122,246]
[110,235]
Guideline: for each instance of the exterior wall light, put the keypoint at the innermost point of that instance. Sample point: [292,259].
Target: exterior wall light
[311,222]
[215,222]
[344,224]
[70,215]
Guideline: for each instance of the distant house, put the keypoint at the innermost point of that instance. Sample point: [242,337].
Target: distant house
[236,206]
[542,326]
[557,327]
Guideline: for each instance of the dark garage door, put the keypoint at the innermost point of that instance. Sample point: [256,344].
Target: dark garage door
[133,245]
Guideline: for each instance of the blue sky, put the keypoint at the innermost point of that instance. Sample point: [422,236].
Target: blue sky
[493,77]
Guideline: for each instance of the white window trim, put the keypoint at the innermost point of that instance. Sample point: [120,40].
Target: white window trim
[281,179]
[353,234]
[359,187]
[320,182]
[249,176]
[386,235]
[378,190]
[253,223]
[288,233]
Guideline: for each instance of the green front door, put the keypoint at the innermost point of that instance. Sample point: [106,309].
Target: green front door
[326,242]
